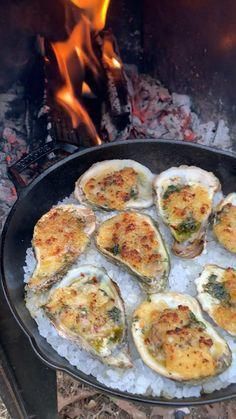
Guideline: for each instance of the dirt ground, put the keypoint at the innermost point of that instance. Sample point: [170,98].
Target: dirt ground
[3,411]
[77,401]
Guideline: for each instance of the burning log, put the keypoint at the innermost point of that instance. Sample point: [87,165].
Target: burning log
[116,108]
[106,100]
[110,96]
[89,67]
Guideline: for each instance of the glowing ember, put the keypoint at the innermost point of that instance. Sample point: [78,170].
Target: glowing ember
[76,55]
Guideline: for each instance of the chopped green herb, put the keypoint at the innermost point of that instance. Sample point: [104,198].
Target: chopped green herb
[190,225]
[115,250]
[117,335]
[171,189]
[114,314]
[133,192]
[212,278]
[194,321]
[217,289]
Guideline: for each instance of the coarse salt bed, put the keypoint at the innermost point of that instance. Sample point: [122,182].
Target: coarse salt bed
[140,379]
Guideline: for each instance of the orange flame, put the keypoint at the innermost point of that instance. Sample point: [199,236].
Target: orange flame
[109,55]
[75,55]
[96,10]
[86,89]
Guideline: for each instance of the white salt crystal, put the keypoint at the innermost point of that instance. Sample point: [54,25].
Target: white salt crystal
[140,378]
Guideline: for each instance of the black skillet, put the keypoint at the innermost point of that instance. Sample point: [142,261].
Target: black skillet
[58,182]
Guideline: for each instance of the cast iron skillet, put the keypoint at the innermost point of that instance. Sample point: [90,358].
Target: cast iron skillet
[58,182]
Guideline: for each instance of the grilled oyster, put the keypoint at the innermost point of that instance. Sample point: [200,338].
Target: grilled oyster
[116,185]
[133,240]
[184,200]
[174,339]
[86,308]
[224,224]
[60,236]
[217,294]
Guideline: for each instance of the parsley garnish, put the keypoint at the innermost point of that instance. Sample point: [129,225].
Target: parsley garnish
[171,189]
[114,314]
[216,289]
[189,225]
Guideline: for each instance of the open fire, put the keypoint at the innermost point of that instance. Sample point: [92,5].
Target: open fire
[106,98]
[132,105]
[76,56]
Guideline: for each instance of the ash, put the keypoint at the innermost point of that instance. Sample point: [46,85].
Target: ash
[157,113]
[13,143]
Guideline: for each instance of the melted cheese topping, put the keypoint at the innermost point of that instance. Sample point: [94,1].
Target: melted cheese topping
[58,240]
[112,190]
[185,208]
[179,342]
[225,314]
[225,317]
[225,227]
[131,238]
[87,310]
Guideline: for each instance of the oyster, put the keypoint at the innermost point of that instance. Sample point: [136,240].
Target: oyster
[60,236]
[133,240]
[86,307]
[216,288]
[174,339]
[116,185]
[184,200]
[224,224]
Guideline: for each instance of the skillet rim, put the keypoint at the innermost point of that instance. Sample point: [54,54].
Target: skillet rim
[89,379]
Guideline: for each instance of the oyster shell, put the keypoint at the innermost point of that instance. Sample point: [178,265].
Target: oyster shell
[116,185]
[133,240]
[184,200]
[174,339]
[216,288]
[224,223]
[60,236]
[86,308]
